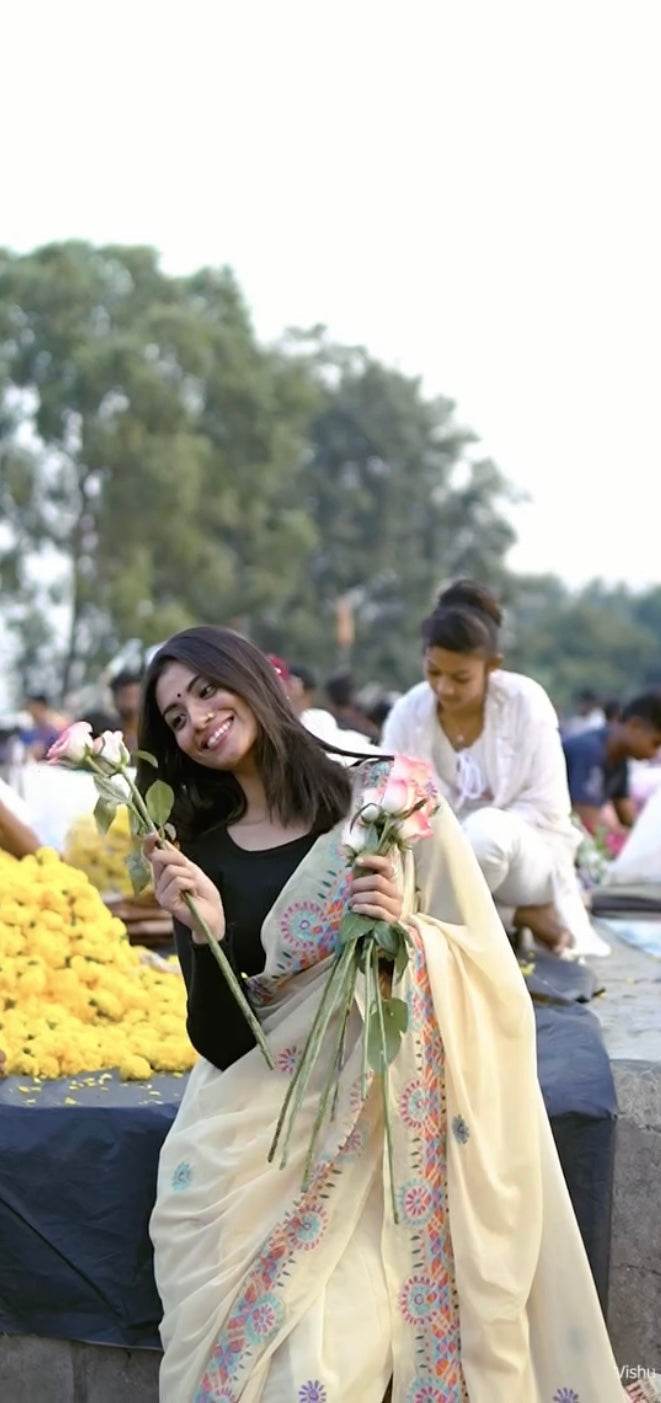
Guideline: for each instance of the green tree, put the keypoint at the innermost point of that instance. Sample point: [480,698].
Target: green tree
[182,473]
[399,501]
[600,637]
[148,438]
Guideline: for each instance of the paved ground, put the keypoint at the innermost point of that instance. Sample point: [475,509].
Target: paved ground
[630,1014]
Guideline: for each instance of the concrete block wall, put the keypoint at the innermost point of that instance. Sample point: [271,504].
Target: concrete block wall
[58,1371]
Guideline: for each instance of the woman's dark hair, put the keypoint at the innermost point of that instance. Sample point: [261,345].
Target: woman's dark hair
[466,619]
[300,780]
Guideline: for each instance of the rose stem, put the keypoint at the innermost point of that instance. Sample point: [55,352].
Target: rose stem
[347,1015]
[312,1049]
[323,1104]
[366,1019]
[291,1089]
[219,955]
[384,1091]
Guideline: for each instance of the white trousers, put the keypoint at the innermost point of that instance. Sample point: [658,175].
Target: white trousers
[518,865]
[522,867]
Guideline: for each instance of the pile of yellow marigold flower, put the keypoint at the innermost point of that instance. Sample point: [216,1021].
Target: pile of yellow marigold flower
[102,856]
[74,994]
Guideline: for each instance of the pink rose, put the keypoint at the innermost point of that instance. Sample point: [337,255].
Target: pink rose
[409,781]
[72,746]
[110,747]
[416,772]
[416,826]
[398,796]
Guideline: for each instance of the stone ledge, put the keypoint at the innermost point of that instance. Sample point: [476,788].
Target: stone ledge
[630,1015]
[60,1371]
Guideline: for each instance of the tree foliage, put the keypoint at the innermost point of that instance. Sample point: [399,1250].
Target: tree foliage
[150,440]
[600,637]
[186,473]
[161,467]
[399,501]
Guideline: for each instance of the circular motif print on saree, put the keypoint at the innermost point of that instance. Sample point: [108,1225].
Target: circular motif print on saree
[209,1392]
[301,925]
[421,1298]
[312,1392]
[306,1229]
[287,1060]
[425,1391]
[263,1318]
[415,1105]
[460,1130]
[417,1201]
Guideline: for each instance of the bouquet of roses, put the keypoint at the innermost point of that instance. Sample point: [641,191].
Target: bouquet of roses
[393,816]
[108,759]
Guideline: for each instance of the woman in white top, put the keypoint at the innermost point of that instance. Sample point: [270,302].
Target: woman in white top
[493,739]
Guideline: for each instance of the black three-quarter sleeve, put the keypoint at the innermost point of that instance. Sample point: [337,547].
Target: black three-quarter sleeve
[249,883]
[215,1023]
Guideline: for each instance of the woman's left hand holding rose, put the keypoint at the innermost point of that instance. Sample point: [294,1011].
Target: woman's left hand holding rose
[375,893]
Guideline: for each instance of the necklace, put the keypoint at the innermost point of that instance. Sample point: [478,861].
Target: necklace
[461,739]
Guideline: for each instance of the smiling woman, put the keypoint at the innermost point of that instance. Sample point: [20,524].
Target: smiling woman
[217,716]
[275,1288]
[208,721]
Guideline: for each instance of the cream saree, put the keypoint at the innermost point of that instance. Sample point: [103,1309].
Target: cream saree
[482,1293]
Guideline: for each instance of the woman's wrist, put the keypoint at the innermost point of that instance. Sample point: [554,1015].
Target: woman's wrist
[200,939]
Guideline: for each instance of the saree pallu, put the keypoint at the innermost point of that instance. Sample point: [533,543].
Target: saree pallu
[482,1293]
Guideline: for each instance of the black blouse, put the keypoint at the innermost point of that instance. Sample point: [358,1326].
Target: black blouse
[249,883]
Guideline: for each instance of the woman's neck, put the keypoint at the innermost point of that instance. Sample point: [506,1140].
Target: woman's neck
[463,727]
[258,827]
[255,794]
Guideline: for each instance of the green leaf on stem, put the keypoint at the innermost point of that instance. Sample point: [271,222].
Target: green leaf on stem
[136,821]
[401,958]
[352,927]
[146,755]
[159,800]
[104,813]
[386,937]
[139,870]
[395,1022]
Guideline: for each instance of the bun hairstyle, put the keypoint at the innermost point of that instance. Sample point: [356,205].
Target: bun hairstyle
[467,619]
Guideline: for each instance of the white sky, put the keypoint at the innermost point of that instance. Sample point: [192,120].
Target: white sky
[469,189]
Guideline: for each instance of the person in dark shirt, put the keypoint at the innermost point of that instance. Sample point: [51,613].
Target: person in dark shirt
[598,762]
[253,792]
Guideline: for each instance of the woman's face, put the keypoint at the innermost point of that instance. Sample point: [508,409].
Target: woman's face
[211,725]
[459,680]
